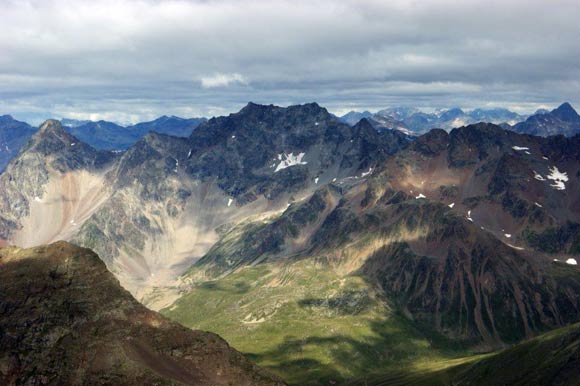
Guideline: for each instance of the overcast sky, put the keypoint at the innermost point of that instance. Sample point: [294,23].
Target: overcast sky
[134,60]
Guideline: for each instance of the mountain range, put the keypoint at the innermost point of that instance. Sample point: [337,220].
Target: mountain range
[102,135]
[324,251]
[105,135]
[13,136]
[562,120]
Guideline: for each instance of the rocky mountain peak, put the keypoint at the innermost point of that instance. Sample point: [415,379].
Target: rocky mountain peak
[566,112]
[6,118]
[452,113]
[51,126]
[51,138]
[431,143]
[66,151]
[364,124]
[562,120]
[274,114]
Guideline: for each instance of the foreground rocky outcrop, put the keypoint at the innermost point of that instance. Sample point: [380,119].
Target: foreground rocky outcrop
[65,320]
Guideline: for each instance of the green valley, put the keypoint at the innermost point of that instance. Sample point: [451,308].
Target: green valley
[309,322]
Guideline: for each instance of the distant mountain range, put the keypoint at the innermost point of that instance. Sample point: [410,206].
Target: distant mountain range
[105,135]
[563,120]
[13,135]
[102,135]
[413,121]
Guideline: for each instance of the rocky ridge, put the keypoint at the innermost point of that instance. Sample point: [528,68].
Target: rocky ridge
[67,321]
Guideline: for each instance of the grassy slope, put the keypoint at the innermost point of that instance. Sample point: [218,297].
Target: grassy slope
[308,323]
[550,359]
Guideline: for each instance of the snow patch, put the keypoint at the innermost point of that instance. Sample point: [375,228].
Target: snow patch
[538,205]
[421,195]
[558,177]
[514,247]
[571,262]
[289,160]
[520,148]
[316,180]
[74,143]
[508,235]
[233,137]
[451,205]
[189,154]
[366,173]
[538,176]
[37,199]
[230,202]
[546,158]
[469,216]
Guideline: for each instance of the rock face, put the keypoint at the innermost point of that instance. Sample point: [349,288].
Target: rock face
[67,321]
[153,210]
[562,120]
[451,228]
[55,177]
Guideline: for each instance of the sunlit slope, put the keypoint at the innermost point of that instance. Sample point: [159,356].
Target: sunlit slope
[308,322]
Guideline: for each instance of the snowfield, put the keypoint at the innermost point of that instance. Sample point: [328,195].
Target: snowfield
[558,177]
[287,160]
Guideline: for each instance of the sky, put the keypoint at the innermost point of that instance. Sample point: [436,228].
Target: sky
[129,61]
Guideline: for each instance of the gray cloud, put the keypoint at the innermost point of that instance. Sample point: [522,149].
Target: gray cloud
[135,60]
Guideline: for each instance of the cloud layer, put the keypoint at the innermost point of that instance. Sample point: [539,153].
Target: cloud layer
[130,60]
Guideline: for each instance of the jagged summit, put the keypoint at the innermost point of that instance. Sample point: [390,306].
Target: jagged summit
[51,125]
[308,111]
[53,140]
[364,123]
[562,120]
[566,112]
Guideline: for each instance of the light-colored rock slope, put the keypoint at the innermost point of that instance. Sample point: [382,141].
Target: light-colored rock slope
[154,210]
